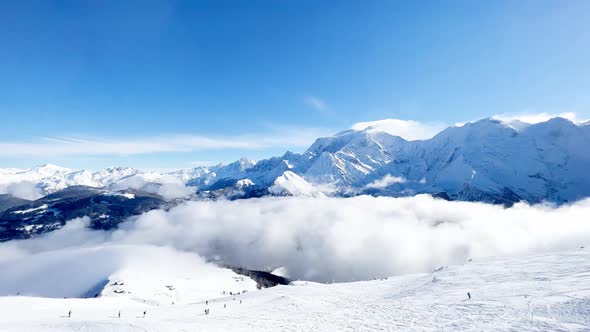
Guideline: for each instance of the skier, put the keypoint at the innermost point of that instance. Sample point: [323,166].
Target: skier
[206,302]
[144,312]
[224,306]
[119,313]
[69,313]
[469,295]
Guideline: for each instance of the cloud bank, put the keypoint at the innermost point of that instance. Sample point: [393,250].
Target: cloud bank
[338,239]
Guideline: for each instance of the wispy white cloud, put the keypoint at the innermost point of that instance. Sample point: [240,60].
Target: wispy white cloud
[316,103]
[407,129]
[63,146]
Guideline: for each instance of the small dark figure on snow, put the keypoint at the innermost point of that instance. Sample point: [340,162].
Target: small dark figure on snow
[469,295]
[224,306]
[240,301]
[144,312]
[69,313]
[206,302]
[119,313]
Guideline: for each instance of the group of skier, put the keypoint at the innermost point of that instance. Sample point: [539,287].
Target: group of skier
[207,310]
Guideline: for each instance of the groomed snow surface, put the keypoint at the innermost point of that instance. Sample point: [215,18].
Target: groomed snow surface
[536,292]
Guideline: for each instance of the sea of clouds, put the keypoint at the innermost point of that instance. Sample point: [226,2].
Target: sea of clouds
[330,239]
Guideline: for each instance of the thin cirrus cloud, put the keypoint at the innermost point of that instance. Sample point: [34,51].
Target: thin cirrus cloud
[316,103]
[51,146]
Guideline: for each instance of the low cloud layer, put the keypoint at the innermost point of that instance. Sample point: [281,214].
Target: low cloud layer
[338,239]
[385,182]
[22,189]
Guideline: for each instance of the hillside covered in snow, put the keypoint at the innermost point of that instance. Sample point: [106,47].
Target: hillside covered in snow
[537,292]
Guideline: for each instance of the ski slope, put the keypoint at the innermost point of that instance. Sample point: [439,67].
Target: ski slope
[539,292]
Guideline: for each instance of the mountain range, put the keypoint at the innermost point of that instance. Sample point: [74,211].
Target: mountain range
[489,160]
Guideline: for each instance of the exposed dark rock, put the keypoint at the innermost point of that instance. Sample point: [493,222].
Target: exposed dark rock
[263,279]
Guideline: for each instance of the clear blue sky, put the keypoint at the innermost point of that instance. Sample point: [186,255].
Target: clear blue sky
[141,72]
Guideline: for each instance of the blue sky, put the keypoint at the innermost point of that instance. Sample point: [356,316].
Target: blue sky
[90,84]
